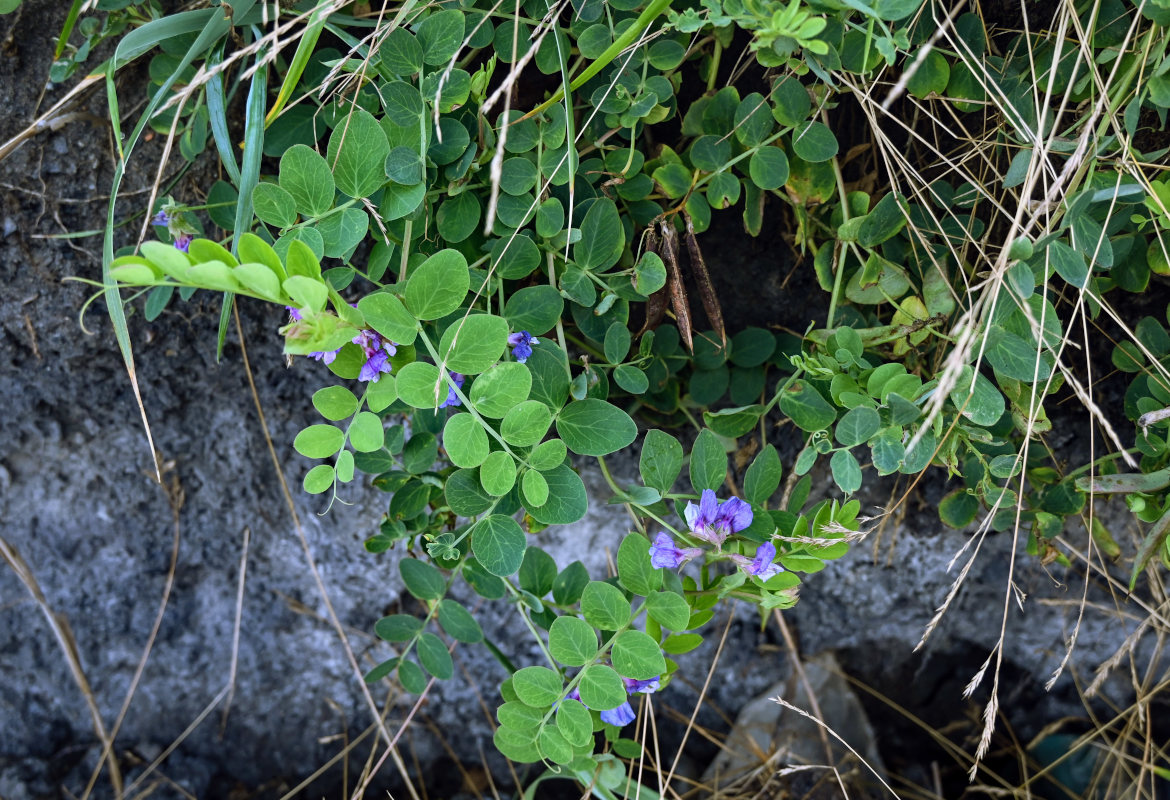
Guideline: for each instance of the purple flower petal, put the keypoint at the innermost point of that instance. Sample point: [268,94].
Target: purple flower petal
[183,241]
[375,365]
[735,515]
[621,716]
[634,686]
[761,566]
[452,398]
[665,554]
[521,343]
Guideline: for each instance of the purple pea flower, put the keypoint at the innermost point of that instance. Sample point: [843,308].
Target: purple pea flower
[521,343]
[634,686]
[453,400]
[665,554]
[183,241]
[713,521]
[161,218]
[377,363]
[761,566]
[621,716]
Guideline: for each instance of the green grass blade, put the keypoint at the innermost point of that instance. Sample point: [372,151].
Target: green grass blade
[249,177]
[67,29]
[215,26]
[300,60]
[217,114]
[627,38]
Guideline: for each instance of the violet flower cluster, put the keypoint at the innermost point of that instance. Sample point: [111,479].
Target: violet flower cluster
[521,343]
[713,521]
[376,348]
[180,232]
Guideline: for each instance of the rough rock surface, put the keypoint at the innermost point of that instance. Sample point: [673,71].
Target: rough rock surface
[95,531]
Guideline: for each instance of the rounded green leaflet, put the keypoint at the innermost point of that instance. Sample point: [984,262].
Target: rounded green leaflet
[553,746]
[567,500]
[631,379]
[661,460]
[335,403]
[857,426]
[464,494]
[440,36]
[669,610]
[404,165]
[887,450]
[401,53]
[814,142]
[602,237]
[357,153]
[399,201]
[515,257]
[768,168]
[790,101]
[575,723]
[709,153]
[526,423]
[498,544]
[593,427]
[753,120]
[472,344]
[931,76]
[459,216]
[385,313]
[411,677]
[518,175]
[708,468]
[517,746]
[550,216]
[604,606]
[807,408]
[958,509]
[601,688]
[504,386]
[465,441]
[537,686]
[636,655]
[259,279]
[422,580]
[319,441]
[548,455]
[366,433]
[534,488]
[398,627]
[306,176]
[420,386]
[514,714]
[274,205]
[535,309]
[846,471]
[450,142]
[319,479]
[635,570]
[497,473]
[572,641]
[433,655]
[438,286]
[980,401]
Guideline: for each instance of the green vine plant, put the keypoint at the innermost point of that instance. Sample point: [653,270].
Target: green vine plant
[473,278]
